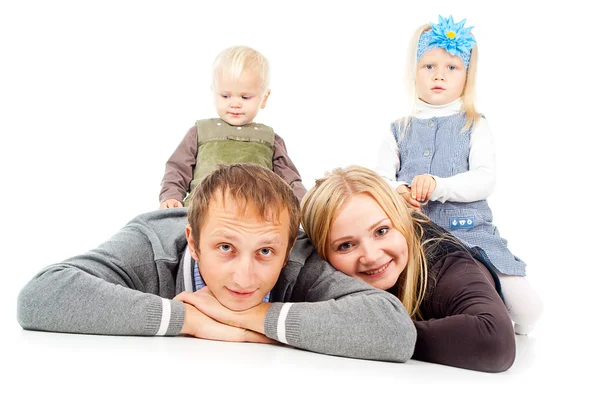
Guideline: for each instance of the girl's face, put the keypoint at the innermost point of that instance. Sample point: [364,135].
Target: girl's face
[362,243]
[441,77]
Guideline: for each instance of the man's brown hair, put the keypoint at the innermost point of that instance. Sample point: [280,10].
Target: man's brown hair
[249,185]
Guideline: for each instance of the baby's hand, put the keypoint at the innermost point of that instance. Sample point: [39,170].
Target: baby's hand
[421,187]
[404,191]
[170,203]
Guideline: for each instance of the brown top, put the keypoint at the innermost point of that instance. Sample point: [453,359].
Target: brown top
[465,322]
[179,169]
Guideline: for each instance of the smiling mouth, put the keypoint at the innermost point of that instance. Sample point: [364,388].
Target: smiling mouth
[377,271]
[240,294]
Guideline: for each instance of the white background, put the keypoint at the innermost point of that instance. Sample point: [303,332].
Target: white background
[95,96]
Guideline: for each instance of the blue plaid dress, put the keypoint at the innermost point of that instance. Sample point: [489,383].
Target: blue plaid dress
[436,146]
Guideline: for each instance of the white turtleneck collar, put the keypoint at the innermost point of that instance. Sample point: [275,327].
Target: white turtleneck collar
[425,110]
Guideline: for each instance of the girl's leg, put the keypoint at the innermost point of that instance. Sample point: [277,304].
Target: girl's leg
[523,304]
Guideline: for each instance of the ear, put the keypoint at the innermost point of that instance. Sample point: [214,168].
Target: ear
[264,101]
[191,243]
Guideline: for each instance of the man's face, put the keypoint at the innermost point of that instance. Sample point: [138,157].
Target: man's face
[239,100]
[239,256]
[441,77]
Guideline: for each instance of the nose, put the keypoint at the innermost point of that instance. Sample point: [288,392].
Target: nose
[439,76]
[370,254]
[235,103]
[243,273]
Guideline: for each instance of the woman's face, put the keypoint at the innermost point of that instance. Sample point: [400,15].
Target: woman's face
[362,243]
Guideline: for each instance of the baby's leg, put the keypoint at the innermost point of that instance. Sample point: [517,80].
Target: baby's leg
[523,304]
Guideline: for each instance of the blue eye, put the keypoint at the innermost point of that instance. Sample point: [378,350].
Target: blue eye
[452,67]
[266,252]
[225,247]
[429,67]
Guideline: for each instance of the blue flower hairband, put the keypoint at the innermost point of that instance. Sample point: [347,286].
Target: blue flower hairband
[454,38]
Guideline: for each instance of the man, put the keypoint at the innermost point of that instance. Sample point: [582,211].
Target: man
[255,280]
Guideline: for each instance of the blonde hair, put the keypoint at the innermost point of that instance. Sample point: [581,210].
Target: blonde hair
[249,185]
[321,203]
[468,94]
[233,61]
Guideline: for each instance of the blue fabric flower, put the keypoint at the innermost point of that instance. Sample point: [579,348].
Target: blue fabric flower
[450,36]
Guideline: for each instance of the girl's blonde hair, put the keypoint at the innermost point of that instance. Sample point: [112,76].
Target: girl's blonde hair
[468,94]
[320,206]
[233,61]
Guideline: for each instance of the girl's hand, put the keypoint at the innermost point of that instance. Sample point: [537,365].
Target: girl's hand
[421,187]
[404,191]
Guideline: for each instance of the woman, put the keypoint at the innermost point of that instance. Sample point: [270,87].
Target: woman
[364,229]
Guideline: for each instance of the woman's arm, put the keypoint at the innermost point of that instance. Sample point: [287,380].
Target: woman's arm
[465,323]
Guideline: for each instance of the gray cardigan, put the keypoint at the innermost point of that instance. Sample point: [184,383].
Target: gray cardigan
[121,288]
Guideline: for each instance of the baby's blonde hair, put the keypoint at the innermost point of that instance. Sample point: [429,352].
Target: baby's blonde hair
[468,94]
[233,61]
[323,201]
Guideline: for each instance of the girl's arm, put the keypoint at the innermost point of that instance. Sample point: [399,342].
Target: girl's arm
[388,160]
[477,183]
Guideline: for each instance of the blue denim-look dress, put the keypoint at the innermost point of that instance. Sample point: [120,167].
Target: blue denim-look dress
[437,146]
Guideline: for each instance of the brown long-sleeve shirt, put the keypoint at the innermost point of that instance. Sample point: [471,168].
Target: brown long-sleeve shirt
[465,322]
[179,169]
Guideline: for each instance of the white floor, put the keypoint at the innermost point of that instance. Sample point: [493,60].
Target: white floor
[71,367]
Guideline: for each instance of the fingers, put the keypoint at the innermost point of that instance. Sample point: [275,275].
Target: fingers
[254,337]
[421,187]
[171,203]
[206,290]
[189,298]
[411,202]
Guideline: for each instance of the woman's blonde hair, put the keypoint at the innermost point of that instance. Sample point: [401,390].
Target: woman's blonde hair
[468,94]
[233,61]
[320,206]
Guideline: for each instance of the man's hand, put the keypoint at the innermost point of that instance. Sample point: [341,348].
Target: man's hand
[421,187]
[252,319]
[171,203]
[199,325]
[404,191]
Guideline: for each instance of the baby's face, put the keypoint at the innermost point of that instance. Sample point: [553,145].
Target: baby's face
[238,100]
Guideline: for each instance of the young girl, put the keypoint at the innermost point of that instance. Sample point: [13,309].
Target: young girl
[441,158]
[364,229]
